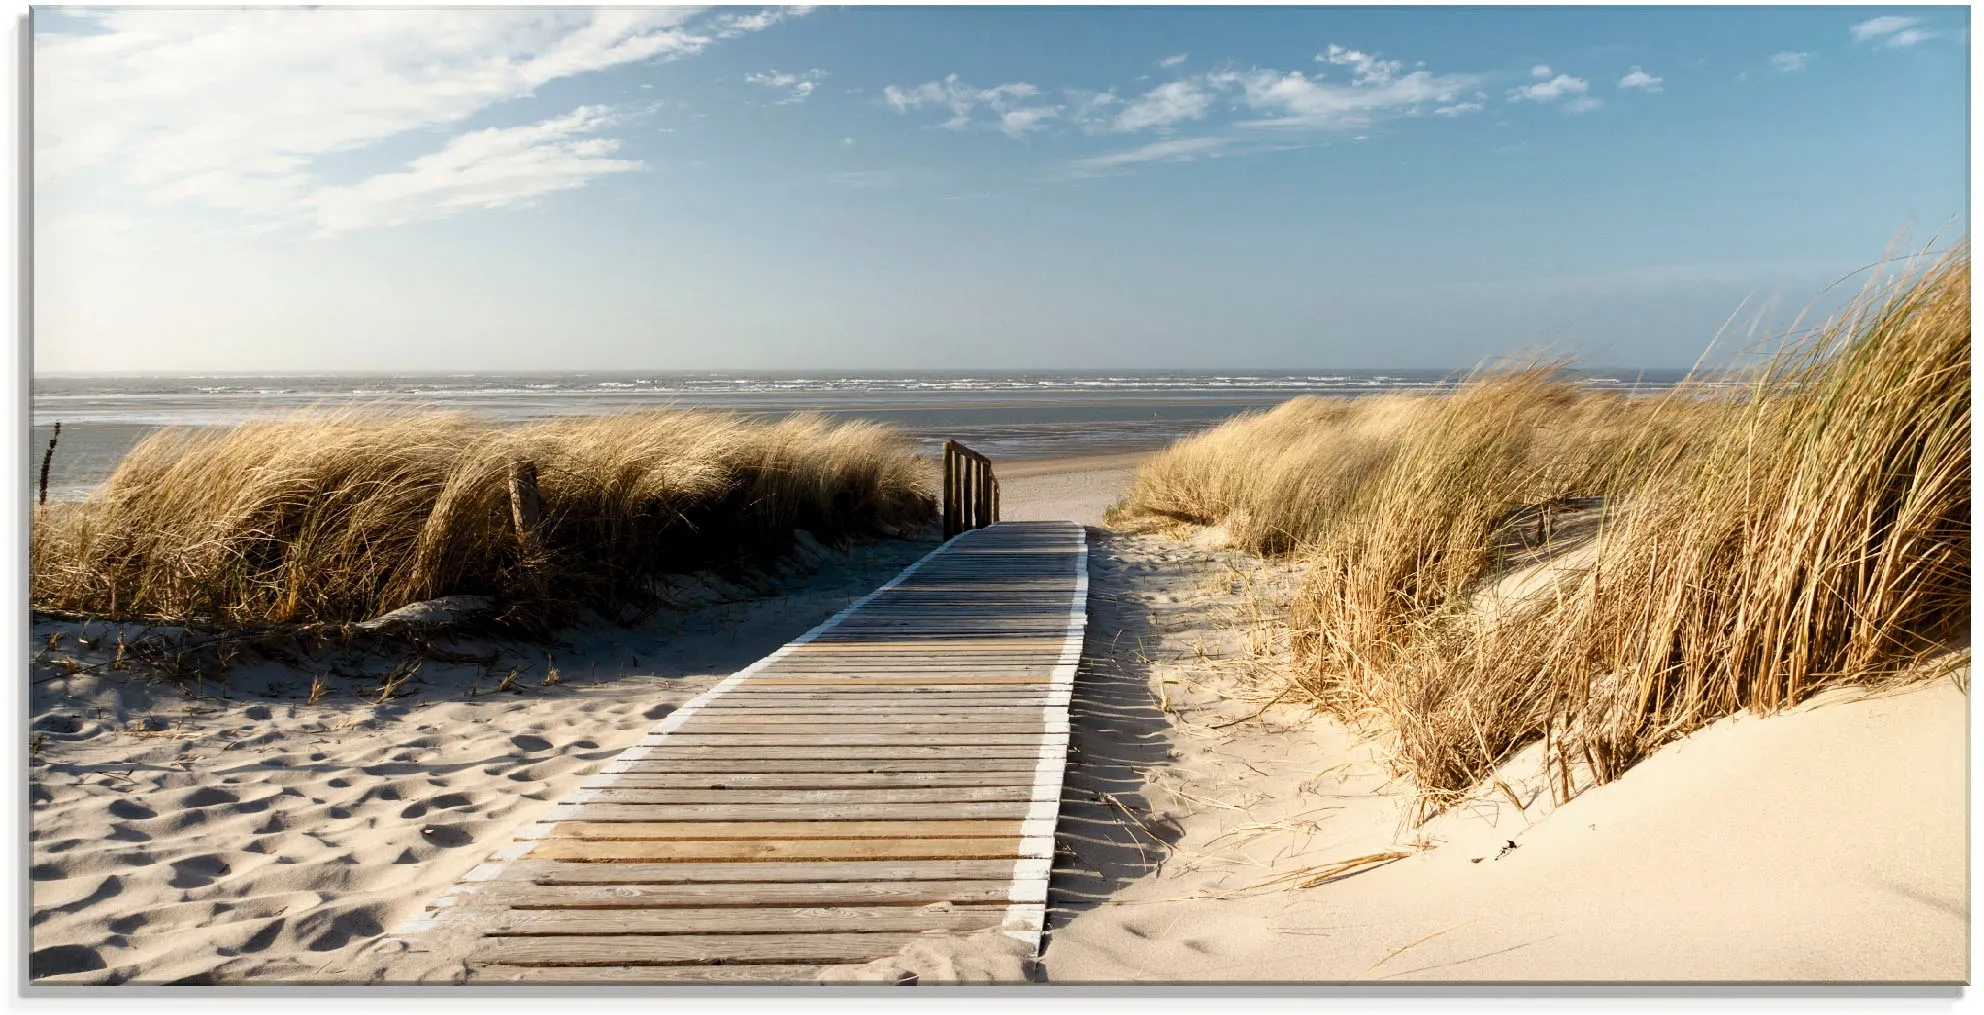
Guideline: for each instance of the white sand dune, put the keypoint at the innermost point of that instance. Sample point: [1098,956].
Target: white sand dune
[1827,843]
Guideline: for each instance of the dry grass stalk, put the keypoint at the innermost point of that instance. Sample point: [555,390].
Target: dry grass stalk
[1760,544]
[343,516]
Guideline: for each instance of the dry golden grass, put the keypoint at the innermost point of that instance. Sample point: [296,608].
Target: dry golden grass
[334,517]
[1758,545]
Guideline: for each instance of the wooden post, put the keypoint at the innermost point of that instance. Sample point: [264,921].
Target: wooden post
[526,511]
[950,488]
[982,504]
[970,472]
[971,490]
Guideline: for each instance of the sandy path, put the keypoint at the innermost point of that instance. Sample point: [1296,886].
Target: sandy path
[1077,489]
[248,835]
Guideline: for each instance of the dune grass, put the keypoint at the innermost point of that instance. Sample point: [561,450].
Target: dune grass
[1758,545]
[340,516]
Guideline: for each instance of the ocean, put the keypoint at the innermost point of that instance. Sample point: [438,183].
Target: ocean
[1005,415]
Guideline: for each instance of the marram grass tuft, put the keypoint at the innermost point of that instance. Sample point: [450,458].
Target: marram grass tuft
[340,516]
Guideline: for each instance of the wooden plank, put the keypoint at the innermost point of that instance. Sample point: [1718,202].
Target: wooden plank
[706,764]
[876,754]
[750,895]
[924,647]
[824,780]
[757,920]
[759,850]
[1005,720]
[590,975]
[784,830]
[811,797]
[994,810]
[690,949]
[753,740]
[856,871]
[870,680]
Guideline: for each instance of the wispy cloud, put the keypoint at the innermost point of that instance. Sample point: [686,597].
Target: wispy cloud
[1790,62]
[1174,60]
[1175,150]
[798,87]
[1551,89]
[1011,105]
[1377,88]
[1637,78]
[1240,111]
[491,168]
[1891,30]
[234,108]
[1165,106]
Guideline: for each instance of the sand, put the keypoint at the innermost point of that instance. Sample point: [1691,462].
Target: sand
[1827,843]
[1077,489]
[244,835]
[238,833]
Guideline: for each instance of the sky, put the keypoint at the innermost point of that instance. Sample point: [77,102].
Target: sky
[973,188]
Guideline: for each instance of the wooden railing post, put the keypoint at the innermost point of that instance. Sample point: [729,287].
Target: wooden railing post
[526,509]
[971,490]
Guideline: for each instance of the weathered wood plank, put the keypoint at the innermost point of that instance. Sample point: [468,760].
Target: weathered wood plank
[690,949]
[752,740]
[824,780]
[812,797]
[757,920]
[1013,720]
[823,872]
[562,975]
[878,754]
[709,764]
[750,895]
[752,850]
[784,830]
[978,811]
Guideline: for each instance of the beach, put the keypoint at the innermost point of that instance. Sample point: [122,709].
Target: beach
[1271,843]
[244,835]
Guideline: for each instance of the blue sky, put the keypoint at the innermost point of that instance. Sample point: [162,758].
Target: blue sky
[972,187]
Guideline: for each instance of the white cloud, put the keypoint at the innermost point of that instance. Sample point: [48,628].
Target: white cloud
[1016,122]
[489,168]
[1295,100]
[1790,63]
[1174,60]
[1007,103]
[1640,79]
[1366,69]
[1164,106]
[1175,150]
[798,87]
[1560,87]
[234,108]
[1894,30]
[1541,70]
[1458,109]
[1583,104]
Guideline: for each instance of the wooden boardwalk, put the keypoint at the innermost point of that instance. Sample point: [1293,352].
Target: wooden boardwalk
[894,772]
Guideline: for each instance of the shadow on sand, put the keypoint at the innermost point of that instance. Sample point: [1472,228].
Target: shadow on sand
[1108,836]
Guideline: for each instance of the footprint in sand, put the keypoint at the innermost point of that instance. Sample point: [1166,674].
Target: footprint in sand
[198,871]
[58,960]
